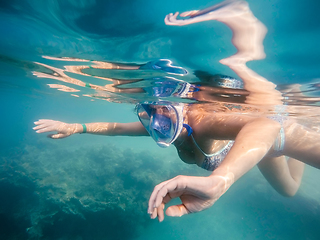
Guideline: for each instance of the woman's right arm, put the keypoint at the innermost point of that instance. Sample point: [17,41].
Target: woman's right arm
[198,193]
[110,129]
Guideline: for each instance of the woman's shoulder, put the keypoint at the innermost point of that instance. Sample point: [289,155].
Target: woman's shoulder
[218,125]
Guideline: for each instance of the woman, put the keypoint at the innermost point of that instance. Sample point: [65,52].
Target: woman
[194,130]
[224,141]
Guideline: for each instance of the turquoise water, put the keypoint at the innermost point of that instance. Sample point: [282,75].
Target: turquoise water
[97,187]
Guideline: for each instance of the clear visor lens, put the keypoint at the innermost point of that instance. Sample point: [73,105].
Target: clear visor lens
[160,121]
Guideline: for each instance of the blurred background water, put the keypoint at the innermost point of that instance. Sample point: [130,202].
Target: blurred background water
[96,187]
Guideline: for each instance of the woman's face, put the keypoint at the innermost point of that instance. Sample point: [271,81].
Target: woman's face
[161,121]
[165,111]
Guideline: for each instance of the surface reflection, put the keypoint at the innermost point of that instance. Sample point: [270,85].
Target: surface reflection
[161,79]
[248,36]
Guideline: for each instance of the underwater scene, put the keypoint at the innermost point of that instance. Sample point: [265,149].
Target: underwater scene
[212,113]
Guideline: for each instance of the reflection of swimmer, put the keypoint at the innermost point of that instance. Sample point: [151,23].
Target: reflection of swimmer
[164,65]
[248,36]
[161,66]
[215,88]
[219,88]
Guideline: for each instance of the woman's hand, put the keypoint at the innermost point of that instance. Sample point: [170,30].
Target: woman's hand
[221,12]
[171,19]
[63,129]
[195,193]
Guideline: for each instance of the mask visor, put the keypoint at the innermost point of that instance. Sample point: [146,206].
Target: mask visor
[161,122]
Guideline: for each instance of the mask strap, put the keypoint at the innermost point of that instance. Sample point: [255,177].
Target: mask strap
[189,129]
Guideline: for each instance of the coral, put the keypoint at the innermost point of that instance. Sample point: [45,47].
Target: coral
[91,192]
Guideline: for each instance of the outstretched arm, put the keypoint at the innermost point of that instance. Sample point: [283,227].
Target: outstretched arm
[111,129]
[219,12]
[198,193]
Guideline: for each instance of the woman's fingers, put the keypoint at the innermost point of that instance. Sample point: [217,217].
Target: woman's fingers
[44,121]
[154,213]
[167,19]
[171,19]
[47,125]
[160,212]
[174,185]
[173,211]
[163,193]
[38,127]
[153,197]
[42,124]
[47,129]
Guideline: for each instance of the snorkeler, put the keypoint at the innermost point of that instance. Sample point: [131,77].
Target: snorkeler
[224,141]
[243,141]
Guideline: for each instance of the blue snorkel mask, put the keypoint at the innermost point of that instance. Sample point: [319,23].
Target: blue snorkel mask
[163,122]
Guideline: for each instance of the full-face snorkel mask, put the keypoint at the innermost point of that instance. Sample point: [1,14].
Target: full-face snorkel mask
[164,122]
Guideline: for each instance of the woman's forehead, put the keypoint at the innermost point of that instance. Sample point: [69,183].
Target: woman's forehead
[159,106]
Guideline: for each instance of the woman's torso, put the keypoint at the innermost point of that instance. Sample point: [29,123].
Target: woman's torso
[211,133]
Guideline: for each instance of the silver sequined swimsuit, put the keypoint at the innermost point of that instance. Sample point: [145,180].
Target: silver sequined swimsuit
[212,161]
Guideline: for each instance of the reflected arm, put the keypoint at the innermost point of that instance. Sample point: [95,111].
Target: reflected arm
[248,36]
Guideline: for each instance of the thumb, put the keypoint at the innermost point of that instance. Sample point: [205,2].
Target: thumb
[56,136]
[177,210]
